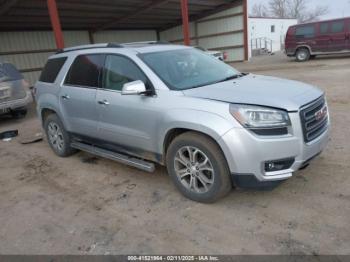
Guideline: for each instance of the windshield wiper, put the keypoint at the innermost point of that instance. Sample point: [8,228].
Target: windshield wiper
[232,77]
[223,80]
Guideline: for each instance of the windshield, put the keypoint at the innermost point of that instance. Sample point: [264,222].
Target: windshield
[188,68]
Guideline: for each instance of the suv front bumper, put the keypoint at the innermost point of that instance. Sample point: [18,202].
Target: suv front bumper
[247,153]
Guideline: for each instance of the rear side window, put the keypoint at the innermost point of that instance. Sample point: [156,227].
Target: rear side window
[85,71]
[338,27]
[307,31]
[52,68]
[324,28]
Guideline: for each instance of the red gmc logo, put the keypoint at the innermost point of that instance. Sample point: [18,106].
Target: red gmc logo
[321,113]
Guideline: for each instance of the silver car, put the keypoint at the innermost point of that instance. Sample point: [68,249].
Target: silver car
[210,125]
[14,91]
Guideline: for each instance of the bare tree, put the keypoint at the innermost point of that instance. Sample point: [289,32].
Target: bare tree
[296,9]
[279,8]
[259,10]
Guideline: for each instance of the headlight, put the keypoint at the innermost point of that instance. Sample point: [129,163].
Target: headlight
[259,117]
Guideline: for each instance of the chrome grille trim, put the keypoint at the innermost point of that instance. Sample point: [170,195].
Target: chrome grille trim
[313,126]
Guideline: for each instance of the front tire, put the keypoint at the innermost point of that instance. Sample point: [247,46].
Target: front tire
[302,55]
[58,138]
[198,167]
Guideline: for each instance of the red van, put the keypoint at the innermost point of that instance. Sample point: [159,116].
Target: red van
[305,41]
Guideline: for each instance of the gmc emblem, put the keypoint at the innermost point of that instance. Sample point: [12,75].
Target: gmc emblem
[321,113]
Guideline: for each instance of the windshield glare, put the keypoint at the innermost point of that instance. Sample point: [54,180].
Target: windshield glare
[187,68]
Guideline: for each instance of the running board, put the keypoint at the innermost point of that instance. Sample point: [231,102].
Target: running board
[124,159]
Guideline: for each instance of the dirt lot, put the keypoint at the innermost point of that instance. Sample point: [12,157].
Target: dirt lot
[85,205]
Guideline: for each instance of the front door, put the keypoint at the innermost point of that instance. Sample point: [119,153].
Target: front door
[78,95]
[127,122]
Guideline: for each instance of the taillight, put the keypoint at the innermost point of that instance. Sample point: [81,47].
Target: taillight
[225,55]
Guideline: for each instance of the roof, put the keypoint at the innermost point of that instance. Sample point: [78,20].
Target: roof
[138,47]
[322,21]
[104,14]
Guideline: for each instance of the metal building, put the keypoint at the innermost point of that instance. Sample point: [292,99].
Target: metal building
[31,30]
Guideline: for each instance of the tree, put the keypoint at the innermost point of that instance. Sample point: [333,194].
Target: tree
[297,9]
[279,8]
[259,10]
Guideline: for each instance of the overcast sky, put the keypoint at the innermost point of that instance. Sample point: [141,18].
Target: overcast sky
[337,8]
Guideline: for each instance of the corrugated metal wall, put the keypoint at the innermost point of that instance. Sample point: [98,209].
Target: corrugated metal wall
[125,36]
[29,50]
[223,31]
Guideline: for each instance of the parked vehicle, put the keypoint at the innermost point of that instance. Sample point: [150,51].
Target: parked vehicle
[305,41]
[222,56]
[14,91]
[209,124]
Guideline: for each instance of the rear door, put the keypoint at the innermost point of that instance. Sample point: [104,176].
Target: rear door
[78,94]
[323,37]
[338,39]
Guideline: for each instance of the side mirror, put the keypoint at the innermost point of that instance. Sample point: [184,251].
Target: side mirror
[134,88]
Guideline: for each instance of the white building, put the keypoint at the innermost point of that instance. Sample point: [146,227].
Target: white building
[267,33]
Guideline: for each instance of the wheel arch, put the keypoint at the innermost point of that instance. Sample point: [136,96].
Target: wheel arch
[175,132]
[303,47]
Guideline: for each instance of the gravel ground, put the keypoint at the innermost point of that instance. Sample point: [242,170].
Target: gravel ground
[88,205]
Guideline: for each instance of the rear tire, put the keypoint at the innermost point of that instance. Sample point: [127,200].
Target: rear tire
[58,138]
[302,55]
[198,167]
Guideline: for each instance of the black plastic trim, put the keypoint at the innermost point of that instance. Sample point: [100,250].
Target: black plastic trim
[249,181]
[270,131]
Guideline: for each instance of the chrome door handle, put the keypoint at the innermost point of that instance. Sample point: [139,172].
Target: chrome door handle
[103,102]
[65,96]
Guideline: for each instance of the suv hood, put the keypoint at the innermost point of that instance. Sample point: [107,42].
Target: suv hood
[259,90]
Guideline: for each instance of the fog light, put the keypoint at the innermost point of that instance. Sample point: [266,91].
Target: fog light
[277,165]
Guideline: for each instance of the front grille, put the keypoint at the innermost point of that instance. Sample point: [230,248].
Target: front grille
[314,119]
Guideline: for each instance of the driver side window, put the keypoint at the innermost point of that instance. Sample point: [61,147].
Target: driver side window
[119,70]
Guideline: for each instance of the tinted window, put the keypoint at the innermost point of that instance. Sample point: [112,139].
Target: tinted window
[338,27]
[120,70]
[305,31]
[51,69]
[272,29]
[85,71]
[324,28]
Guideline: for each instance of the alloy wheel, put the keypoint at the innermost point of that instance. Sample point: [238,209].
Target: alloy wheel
[194,169]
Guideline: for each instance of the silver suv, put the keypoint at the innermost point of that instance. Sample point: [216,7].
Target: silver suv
[210,125]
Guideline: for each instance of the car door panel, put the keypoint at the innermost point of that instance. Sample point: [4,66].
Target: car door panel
[79,109]
[338,37]
[78,94]
[127,120]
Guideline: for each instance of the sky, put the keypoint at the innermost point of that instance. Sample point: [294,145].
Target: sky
[337,8]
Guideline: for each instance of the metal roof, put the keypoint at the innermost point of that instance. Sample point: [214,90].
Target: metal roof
[98,15]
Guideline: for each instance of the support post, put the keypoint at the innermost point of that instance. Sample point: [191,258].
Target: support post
[55,22]
[185,23]
[245,30]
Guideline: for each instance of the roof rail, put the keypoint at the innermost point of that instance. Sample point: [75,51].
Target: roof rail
[83,47]
[110,45]
[147,43]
